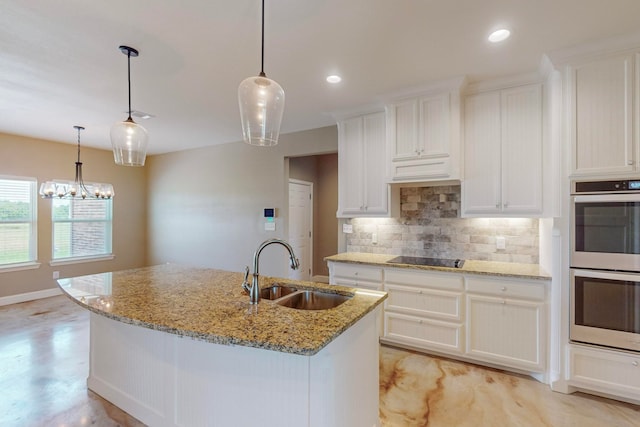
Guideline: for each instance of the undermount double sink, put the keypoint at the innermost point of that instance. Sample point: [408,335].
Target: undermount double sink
[289,296]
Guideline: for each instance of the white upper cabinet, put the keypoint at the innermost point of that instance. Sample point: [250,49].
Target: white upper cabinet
[423,137]
[362,186]
[503,153]
[602,116]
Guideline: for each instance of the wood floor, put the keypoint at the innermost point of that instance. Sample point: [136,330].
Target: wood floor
[44,365]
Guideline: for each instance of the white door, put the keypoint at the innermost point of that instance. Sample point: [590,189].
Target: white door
[300,226]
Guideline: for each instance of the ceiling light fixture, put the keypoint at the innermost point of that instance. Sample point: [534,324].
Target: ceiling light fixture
[76,189]
[128,139]
[261,106]
[499,35]
[334,79]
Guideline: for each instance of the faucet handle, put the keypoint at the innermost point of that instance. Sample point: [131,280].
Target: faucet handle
[245,282]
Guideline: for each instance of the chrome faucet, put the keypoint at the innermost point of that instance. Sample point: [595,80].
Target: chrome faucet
[254,288]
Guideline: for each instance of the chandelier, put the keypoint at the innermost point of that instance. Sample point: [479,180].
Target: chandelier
[76,189]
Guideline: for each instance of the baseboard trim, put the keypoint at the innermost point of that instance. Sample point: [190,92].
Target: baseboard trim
[29,296]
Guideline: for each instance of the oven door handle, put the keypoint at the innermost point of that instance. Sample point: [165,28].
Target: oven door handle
[611,275]
[599,198]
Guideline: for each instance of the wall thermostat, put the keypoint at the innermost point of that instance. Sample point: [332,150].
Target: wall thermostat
[269,213]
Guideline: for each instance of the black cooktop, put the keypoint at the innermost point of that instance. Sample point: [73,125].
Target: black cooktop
[434,262]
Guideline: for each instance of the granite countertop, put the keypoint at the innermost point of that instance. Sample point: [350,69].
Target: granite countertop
[210,305]
[490,268]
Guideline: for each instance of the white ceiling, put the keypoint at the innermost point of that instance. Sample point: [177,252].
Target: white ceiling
[60,64]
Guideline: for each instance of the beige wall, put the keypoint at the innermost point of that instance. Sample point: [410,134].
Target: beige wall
[326,224]
[206,205]
[45,160]
[322,170]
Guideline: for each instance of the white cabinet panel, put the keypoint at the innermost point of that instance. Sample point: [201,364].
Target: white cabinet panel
[505,331]
[503,153]
[423,333]
[424,302]
[602,99]
[423,140]
[362,187]
[605,371]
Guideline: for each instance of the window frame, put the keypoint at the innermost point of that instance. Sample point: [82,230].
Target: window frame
[108,250]
[32,262]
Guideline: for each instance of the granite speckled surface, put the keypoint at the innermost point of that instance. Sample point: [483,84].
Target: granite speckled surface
[210,305]
[491,268]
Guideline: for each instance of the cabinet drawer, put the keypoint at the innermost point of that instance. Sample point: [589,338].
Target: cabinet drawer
[424,302]
[423,278]
[357,271]
[407,170]
[423,333]
[605,371]
[357,283]
[507,288]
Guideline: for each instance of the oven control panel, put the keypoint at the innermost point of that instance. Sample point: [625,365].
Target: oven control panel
[625,186]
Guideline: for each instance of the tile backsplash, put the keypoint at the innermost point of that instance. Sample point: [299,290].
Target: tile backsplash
[430,226]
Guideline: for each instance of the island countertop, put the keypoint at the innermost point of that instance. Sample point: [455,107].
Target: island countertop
[210,305]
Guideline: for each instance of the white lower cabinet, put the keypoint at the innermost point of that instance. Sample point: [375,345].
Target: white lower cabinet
[604,371]
[494,320]
[355,275]
[424,310]
[506,322]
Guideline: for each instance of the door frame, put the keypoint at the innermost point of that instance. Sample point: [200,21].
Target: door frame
[310,185]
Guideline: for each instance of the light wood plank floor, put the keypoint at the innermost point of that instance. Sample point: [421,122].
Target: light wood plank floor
[44,365]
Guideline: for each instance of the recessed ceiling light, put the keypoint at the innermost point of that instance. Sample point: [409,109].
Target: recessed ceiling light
[499,35]
[334,79]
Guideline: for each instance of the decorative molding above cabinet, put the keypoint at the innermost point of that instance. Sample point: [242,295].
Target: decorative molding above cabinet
[423,136]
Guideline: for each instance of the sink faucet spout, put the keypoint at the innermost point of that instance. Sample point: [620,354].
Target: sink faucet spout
[254,289]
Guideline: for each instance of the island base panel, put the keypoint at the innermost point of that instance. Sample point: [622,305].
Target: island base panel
[168,380]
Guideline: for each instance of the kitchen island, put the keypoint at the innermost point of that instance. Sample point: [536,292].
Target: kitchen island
[182,346]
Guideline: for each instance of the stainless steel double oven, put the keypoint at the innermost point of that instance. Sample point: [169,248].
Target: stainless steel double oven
[605,263]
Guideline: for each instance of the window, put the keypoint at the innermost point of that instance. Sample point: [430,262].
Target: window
[81,228]
[18,230]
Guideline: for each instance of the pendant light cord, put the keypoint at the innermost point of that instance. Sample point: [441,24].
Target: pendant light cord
[262,74]
[129,79]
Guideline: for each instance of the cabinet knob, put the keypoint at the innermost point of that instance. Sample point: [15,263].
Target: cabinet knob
[629,162]
[504,288]
[634,363]
[420,292]
[355,274]
[503,302]
[497,205]
[506,205]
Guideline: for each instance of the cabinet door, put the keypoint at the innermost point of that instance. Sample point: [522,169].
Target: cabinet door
[402,129]
[521,120]
[506,331]
[482,158]
[603,116]
[350,167]
[375,183]
[434,125]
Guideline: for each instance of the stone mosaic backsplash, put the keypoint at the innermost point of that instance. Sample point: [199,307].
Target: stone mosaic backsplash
[430,226]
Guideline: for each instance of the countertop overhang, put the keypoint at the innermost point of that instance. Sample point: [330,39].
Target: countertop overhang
[507,269]
[210,305]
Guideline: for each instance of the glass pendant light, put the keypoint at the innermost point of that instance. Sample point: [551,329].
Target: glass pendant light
[261,106]
[76,189]
[128,139]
